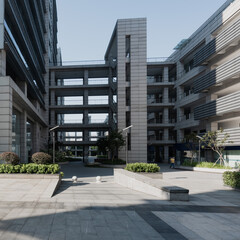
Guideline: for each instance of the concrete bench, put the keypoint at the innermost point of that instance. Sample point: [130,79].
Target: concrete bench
[175,193]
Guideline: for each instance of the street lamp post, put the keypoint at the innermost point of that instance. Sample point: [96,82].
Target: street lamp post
[199,148]
[53,131]
[126,136]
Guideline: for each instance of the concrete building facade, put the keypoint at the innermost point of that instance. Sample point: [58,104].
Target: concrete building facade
[28,44]
[193,90]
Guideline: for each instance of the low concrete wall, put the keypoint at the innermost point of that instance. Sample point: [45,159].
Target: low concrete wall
[209,170]
[147,185]
[53,180]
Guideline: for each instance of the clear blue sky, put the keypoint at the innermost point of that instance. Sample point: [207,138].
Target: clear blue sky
[85,26]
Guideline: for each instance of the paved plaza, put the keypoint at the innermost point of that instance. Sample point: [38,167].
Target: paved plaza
[90,210]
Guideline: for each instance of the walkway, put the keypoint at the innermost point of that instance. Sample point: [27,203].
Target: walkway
[90,210]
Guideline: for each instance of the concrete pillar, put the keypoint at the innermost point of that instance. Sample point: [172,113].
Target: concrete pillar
[166,154]
[2,62]
[165,115]
[165,95]
[53,99]
[36,138]
[23,86]
[212,126]
[85,153]
[165,74]
[23,142]
[5,115]
[85,97]
[85,116]
[211,97]
[166,134]
[85,79]
[53,80]
[52,117]
[180,92]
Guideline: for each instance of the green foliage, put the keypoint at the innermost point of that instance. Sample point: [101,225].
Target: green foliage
[10,158]
[112,143]
[188,163]
[232,179]
[41,158]
[216,141]
[142,167]
[30,168]
[102,157]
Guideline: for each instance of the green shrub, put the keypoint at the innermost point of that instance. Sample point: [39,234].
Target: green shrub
[204,165]
[232,179]
[41,158]
[10,158]
[30,168]
[142,167]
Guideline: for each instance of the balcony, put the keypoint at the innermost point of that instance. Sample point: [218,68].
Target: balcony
[234,136]
[222,73]
[227,104]
[159,140]
[159,102]
[186,121]
[227,38]
[157,123]
[188,99]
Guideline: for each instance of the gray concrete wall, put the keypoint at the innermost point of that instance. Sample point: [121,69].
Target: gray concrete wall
[136,29]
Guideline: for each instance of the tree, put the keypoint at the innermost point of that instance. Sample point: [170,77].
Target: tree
[216,141]
[102,144]
[115,142]
[112,143]
[191,142]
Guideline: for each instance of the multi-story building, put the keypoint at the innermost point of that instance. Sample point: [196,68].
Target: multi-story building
[28,45]
[194,90]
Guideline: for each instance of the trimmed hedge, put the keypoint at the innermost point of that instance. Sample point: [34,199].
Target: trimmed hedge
[142,167]
[232,179]
[30,168]
[10,158]
[188,163]
[41,158]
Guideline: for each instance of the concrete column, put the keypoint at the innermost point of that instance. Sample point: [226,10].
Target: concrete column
[85,116]
[211,97]
[52,117]
[36,138]
[2,62]
[212,126]
[180,135]
[180,92]
[165,74]
[180,113]
[85,79]
[165,115]
[23,86]
[85,97]
[165,95]
[166,154]
[53,80]
[166,134]
[23,142]
[85,153]
[53,100]
[5,115]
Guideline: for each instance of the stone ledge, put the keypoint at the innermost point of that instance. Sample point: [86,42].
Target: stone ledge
[51,181]
[209,170]
[156,187]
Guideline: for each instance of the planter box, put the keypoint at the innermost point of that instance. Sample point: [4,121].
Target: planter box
[150,185]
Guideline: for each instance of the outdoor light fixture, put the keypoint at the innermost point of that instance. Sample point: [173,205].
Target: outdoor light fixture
[53,131]
[126,130]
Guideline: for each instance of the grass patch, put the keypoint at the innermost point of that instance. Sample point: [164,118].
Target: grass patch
[188,163]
